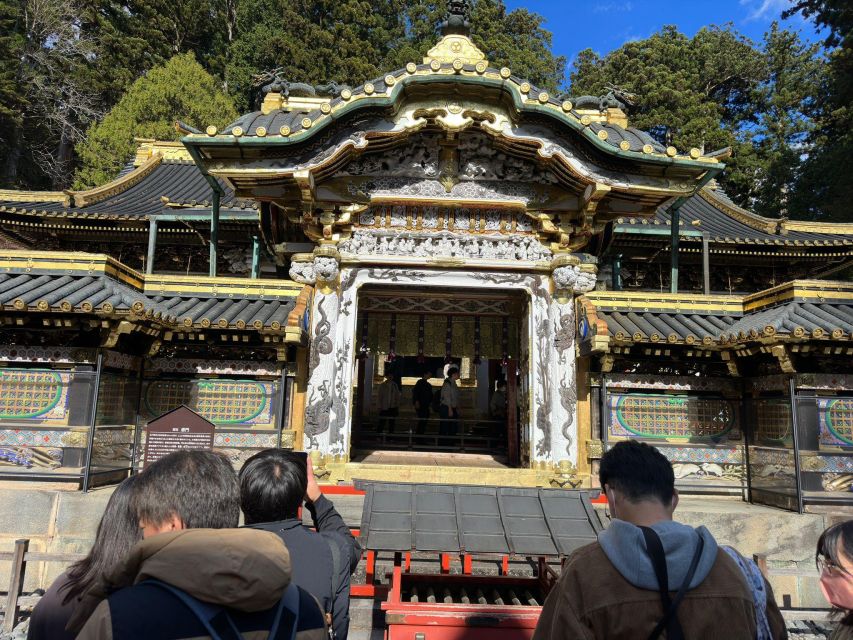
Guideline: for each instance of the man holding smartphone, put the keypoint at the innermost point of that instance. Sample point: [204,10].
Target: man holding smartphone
[273,485]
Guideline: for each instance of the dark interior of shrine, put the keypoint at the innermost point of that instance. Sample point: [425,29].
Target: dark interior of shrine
[404,333]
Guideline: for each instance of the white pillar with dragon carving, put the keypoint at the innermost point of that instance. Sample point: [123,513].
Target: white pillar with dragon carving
[321,269]
[569,277]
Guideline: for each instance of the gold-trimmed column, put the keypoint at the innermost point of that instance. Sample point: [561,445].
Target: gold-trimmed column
[296,419]
[584,418]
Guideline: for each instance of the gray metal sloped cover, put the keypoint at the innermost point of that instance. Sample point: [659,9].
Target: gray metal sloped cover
[475,519]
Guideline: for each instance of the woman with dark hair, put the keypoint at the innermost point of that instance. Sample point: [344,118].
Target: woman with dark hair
[835,562]
[117,533]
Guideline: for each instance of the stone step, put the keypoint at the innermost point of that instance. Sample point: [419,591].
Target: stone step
[440,474]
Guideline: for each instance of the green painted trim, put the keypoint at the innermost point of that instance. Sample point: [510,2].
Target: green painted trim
[617,406]
[52,403]
[631,230]
[208,383]
[205,217]
[828,413]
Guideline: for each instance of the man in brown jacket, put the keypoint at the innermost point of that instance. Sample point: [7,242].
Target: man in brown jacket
[194,575]
[610,588]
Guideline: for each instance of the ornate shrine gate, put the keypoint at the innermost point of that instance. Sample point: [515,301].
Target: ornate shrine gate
[445,175]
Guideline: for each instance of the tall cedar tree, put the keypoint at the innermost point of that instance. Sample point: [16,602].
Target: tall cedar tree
[764,174]
[180,89]
[825,189]
[42,53]
[718,89]
[352,41]
[11,97]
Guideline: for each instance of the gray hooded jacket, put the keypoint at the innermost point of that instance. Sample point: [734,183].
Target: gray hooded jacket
[625,546]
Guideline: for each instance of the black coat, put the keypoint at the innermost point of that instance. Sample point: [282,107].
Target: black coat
[311,558]
[50,615]
[422,394]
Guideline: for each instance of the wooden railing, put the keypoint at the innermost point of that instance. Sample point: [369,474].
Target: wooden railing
[20,557]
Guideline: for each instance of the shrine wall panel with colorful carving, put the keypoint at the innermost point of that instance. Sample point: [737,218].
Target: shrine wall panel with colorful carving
[699,430]
[244,409]
[46,409]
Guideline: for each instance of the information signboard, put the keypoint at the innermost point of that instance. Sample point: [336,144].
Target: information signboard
[181,428]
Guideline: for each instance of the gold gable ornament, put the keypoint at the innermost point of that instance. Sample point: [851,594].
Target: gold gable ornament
[454,47]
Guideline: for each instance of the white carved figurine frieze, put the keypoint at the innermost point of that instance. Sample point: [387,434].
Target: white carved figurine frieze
[371,242]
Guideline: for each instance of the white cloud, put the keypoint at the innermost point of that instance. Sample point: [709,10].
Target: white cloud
[613,7]
[764,9]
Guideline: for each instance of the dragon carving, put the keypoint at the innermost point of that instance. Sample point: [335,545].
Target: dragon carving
[322,342]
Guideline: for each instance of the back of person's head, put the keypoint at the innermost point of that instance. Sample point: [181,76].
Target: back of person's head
[638,471]
[501,384]
[272,485]
[451,371]
[199,487]
[118,531]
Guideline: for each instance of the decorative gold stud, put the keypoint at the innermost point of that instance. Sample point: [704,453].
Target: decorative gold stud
[211,130]
[285,130]
[567,105]
[481,67]
[647,148]
[695,153]
[390,80]
[261,132]
[505,72]
[543,97]
[435,65]
[326,108]
[237,132]
[411,67]
[625,145]
[369,88]
[671,151]
[346,94]
[524,87]
[457,65]
[306,123]
[602,134]
[586,120]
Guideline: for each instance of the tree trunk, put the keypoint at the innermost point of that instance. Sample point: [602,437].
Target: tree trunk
[10,166]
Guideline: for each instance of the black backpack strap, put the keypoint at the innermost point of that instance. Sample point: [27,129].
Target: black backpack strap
[670,606]
[288,610]
[214,618]
[336,571]
[654,548]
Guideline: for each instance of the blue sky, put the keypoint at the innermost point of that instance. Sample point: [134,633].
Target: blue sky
[604,25]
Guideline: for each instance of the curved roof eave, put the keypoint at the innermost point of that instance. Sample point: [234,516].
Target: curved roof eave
[388,92]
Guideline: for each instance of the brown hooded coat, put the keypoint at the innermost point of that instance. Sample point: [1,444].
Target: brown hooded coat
[241,569]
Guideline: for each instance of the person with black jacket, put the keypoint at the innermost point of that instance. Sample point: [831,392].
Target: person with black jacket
[195,575]
[273,485]
[422,395]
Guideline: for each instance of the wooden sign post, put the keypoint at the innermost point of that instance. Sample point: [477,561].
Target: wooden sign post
[180,428]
